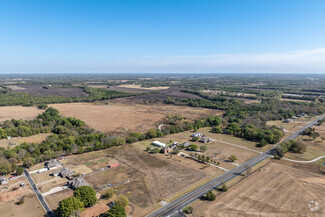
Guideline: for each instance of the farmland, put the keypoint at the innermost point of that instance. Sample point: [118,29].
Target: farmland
[41,91]
[18,112]
[124,117]
[277,190]
[18,140]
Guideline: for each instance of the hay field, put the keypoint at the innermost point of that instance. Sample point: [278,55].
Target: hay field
[119,117]
[18,112]
[18,140]
[277,190]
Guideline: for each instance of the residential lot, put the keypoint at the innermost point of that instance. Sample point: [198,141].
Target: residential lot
[125,117]
[18,112]
[277,190]
[293,126]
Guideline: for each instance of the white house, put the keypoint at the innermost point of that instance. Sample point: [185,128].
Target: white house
[158,144]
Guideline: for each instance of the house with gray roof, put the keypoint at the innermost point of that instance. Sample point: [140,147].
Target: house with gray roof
[64,173]
[52,164]
[205,140]
[77,182]
[186,144]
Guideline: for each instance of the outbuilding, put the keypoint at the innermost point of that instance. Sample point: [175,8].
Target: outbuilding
[197,135]
[158,144]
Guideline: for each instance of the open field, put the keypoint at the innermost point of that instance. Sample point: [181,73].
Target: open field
[122,118]
[277,190]
[295,100]
[291,127]
[18,112]
[9,197]
[18,140]
[134,86]
[36,89]
[314,148]
[54,199]
[30,208]
[172,92]
[233,140]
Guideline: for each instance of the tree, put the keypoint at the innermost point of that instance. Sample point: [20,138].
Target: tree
[210,196]
[188,210]
[262,143]
[69,205]
[116,211]
[223,187]
[203,148]
[216,130]
[86,194]
[19,171]
[195,138]
[109,193]
[232,158]
[29,161]
[193,147]
[122,201]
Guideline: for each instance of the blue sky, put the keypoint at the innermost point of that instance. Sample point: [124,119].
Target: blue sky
[162,36]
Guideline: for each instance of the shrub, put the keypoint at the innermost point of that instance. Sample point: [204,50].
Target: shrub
[188,210]
[210,196]
[122,201]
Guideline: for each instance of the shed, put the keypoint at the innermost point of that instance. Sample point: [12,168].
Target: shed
[186,144]
[3,180]
[158,144]
[197,135]
[205,140]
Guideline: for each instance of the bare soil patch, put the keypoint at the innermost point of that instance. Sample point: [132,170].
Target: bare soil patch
[18,112]
[277,190]
[119,117]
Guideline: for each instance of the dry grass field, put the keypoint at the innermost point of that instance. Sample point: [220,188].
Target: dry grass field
[277,190]
[30,208]
[122,117]
[295,125]
[18,140]
[54,199]
[314,148]
[18,112]
[134,86]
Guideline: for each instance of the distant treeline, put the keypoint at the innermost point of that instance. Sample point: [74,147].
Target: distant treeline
[10,98]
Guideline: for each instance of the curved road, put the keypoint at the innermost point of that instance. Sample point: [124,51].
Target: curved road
[304,162]
[174,209]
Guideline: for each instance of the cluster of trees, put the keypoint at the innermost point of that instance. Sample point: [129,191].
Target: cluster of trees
[70,136]
[210,196]
[311,133]
[83,197]
[291,146]
[270,135]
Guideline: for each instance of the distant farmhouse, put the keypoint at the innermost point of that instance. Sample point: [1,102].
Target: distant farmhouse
[52,164]
[205,140]
[77,182]
[166,150]
[64,173]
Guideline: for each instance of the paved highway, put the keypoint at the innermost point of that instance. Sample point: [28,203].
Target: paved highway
[39,195]
[174,209]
